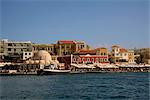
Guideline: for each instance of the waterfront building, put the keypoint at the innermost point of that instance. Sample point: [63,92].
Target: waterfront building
[81,45]
[123,55]
[119,54]
[102,51]
[99,55]
[41,57]
[47,47]
[68,47]
[27,55]
[65,47]
[115,53]
[13,50]
[131,56]
[2,49]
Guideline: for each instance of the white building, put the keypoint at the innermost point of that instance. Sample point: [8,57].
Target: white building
[14,49]
[123,54]
[27,55]
[119,54]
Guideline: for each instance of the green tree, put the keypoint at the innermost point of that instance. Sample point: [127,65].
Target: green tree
[139,59]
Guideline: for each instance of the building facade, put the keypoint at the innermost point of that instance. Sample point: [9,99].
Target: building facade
[120,54]
[99,55]
[68,47]
[65,47]
[81,45]
[2,49]
[131,56]
[14,49]
[79,59]
[27,55]
[47,47]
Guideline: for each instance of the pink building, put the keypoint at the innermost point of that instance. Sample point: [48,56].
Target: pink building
[90,56]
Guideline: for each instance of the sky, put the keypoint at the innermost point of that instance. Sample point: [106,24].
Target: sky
[100,23]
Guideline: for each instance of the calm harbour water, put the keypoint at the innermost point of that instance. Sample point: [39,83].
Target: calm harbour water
[92,86]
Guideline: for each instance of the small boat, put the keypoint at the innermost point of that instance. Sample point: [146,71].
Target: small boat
[52,69]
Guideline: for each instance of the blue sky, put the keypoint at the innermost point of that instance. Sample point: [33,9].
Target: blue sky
[97,22]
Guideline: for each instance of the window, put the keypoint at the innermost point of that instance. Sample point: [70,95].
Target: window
[82,46]
[62,47]
[104,53]
[9,44]
[67,46]
[101,53]
[34,48]
[21,49]
[82,59]
[14,44]
[9,49]
[14,49]
[100,60]
[92,59]
[29,53]
[74,59]
[97,59]
[88,59]
[25,53]
[104,60]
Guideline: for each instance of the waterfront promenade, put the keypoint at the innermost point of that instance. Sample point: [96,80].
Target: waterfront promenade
[32,69]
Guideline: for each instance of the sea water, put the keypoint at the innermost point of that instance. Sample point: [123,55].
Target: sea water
[89,86]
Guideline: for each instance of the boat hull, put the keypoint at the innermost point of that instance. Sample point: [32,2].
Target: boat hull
[52,72]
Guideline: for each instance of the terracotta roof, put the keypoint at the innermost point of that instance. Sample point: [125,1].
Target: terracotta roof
[86,52]
[100,48]
[122,50]
[115,46]
[66,42]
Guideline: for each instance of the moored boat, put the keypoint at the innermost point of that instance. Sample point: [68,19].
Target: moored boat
[52,69]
